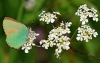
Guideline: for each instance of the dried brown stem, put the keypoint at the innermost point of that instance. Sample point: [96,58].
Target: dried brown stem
[94,57]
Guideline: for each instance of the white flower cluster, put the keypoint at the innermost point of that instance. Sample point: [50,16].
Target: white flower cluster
[48,17]
[85,32]
[57,37]
[84,12]
[29,41]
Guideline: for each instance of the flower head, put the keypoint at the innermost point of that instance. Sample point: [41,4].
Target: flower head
[48,17]
[57,37]
[29,41]
[85,32]
[84,12]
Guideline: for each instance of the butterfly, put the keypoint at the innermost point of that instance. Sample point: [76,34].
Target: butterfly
[16,32]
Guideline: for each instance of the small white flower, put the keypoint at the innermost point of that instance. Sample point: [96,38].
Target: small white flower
[44,43]
[94,33]
[90,14]
[52,43]
[93,10]
[85,32]
[27,48]
[95,17]
[83,20]
[79,37]
[48,17]
[58,50]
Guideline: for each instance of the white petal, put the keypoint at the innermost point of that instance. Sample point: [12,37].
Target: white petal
[26,51]
[46,47]
[40,42]
[29,48]
[59,51]
[23,47]
[78,38]
[83,22]
[67,47]
[52,20]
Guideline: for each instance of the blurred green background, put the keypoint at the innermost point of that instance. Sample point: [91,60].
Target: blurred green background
[27,11]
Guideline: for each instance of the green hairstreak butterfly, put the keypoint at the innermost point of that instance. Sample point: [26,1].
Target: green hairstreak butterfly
[15,31]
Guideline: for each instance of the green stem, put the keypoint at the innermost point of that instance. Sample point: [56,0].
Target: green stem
[75,32]
[20,10]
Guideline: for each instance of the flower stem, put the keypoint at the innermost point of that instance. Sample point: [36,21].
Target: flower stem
[75,32]
[94,57]
[37,45]
[20,11]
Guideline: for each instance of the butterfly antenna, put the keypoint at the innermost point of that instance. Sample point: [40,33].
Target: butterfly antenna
[29,25]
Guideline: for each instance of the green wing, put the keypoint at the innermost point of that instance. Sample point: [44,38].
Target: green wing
[16,32]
